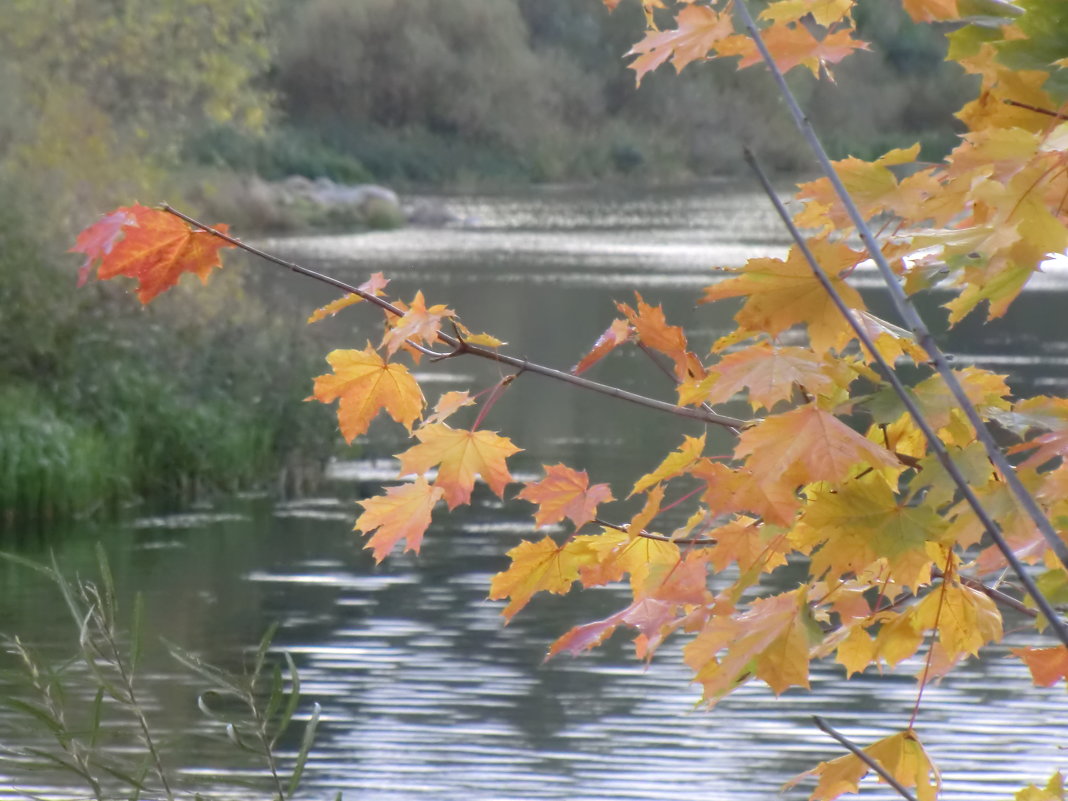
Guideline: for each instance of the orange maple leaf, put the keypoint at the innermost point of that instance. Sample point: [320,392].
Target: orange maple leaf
[699,28]
[614,336]
[418,322]
[804,445]
[653,331]
[792,46]
[403,513]
[537,566]
[769,373]
[931,10]
[772,638]
[780,293]
[1047,665]
[366,383]
[565,493]
[460,456]
[153,246]
[372,286]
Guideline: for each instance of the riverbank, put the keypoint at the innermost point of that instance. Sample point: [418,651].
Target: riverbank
[103,401]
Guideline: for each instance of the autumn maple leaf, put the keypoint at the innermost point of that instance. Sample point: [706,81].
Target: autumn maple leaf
[674,464]
[565,493]
[772,638]
[614,336]
[403,513]
[931,10]
[792,46]
[769,373]
[699,28]
[538,566]
[366,384]
[372,286]
[902,755]
[460,456]
[153,246]
[653,331]
[804,445]
[1047,665]
[780,293]
[418,322]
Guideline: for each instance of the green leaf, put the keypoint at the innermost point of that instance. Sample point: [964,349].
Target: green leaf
[108,580]
[305,749]
[137,631]
[294,700]
[261,652]
[94,717]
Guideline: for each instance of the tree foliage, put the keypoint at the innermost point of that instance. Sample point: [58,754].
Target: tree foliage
[898,516]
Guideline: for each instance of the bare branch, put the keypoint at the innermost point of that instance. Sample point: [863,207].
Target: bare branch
[923,336]
[460,346]
[853,748]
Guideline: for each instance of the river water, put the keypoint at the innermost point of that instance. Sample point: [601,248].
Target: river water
[425,694]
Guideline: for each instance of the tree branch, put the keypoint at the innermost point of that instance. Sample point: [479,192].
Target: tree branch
[461,347]
[849,745]
[923,336]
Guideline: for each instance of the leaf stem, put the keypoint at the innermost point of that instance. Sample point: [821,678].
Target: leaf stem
[461,347]
[859,753]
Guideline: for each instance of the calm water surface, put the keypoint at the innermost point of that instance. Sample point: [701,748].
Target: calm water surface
[425,694]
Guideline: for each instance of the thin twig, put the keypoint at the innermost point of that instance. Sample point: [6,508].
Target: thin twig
[649,535]
[936,444]
[1037,109]
[996,595]
[461,347]
[852,747]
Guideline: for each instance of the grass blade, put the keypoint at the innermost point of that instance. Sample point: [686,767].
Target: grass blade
[305,749]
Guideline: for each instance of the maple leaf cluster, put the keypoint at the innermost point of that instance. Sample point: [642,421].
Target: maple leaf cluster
[830,470]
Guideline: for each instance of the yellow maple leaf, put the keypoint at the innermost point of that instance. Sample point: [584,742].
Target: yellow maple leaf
[675,464]
[615,554]
[780,294]
[772,638]
[901,755]
[403,513]
[856,651]
[460,456]
[824,12]
[365,384]
[965,619]
[538,566]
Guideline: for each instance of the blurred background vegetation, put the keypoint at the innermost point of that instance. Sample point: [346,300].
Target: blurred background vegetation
[112,101]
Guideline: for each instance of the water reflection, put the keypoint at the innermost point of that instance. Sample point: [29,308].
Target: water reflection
[425,694]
